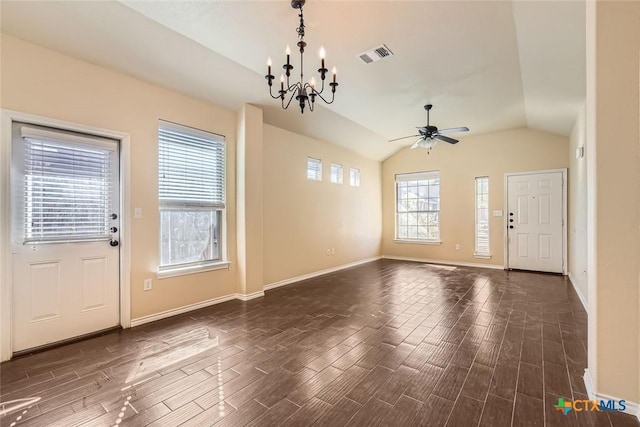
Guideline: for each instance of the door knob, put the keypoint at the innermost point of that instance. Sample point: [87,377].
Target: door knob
[114,216]
[511,226]
[114,229]
[114,243]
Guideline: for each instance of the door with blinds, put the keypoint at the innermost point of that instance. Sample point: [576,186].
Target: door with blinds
[65,235]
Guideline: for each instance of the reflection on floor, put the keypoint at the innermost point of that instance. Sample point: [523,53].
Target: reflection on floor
[387,343]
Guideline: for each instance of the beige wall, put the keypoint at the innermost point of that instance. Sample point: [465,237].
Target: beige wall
[613,99]
[250,193]
[42,82]
[490,155]
[303,218]
[577,215]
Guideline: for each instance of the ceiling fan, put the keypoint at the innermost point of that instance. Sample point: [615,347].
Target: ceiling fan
[429,135]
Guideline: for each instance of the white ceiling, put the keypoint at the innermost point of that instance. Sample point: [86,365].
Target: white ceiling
[488,65]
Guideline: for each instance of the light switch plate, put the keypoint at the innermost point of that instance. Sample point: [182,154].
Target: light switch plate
[497,213]
[137,213]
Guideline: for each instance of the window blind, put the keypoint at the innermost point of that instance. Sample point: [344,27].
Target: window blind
[354,177]
[336,173]
[67,190]
[314,169]
[191,167]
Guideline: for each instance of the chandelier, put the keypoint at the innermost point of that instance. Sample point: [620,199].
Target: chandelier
[304,92]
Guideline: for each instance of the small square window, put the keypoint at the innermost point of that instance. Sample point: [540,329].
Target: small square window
[314,169]
[354,177]
[336,173]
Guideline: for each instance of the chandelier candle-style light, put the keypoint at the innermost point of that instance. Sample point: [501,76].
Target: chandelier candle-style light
[304,92]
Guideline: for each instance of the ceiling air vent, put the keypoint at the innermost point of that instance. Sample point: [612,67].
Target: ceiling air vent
[375,54]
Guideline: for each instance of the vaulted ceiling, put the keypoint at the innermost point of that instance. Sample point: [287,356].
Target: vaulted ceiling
[488,65]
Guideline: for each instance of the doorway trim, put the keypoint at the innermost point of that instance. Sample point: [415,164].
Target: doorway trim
[6,276]
[565,261]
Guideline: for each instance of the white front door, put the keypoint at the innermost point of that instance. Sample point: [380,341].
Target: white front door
[65,231]
[535,221]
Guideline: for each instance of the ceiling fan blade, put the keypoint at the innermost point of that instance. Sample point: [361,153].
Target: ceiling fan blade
[404,137]
[453,130]
[446,139]
[417,143]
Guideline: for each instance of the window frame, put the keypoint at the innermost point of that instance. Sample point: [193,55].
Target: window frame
[339,176]
[415,177]
[479,253]
[357,176]
[216,207]
[318,162]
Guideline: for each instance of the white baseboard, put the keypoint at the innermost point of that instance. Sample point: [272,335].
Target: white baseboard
[588,384]
[247,297]
[317,273]
[443,262]
[580,296]
[180,310]
[632,408]
[242,297]
[184,309]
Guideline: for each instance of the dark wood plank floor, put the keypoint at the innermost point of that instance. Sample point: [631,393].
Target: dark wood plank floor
[387,343]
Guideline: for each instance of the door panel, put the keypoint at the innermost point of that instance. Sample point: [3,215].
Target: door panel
[65,271]
[44,290]
[534,222]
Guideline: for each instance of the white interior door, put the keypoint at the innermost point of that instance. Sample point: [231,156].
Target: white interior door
[535,221]
[65,231]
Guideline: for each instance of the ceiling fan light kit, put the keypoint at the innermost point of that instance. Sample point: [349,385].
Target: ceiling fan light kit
[428,136]
[304,92]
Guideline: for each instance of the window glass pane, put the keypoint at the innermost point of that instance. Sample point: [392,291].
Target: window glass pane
[314,169]
[354,177]
[336,173]
[412,232]
[418,195]
[402,219]
[189,236]
[482,216]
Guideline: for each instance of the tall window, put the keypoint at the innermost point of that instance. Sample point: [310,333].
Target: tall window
[314,169]
[191,166]
[336,173]
[354,177]
[482,216]
[418,206]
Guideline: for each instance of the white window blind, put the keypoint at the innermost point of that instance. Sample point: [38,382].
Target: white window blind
[336,173]
[67,188]
[482,216]
[314,169]
[191,191]
[418,206]
[354,177]
[191,167]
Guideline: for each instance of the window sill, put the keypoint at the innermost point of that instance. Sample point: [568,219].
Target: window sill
[418,242]
[482,256]
[183,271]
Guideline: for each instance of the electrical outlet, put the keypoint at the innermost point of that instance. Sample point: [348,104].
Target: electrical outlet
[457,246]
[148,284]
[328,252]
[137,213]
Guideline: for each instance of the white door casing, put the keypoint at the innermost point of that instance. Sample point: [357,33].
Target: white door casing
[535,218]
[90,265]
